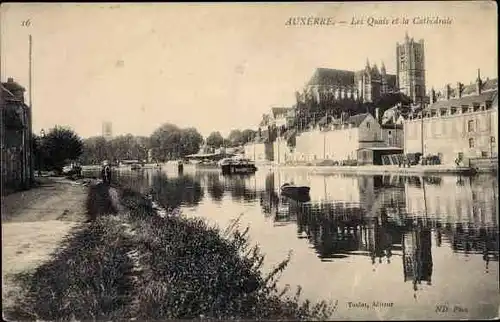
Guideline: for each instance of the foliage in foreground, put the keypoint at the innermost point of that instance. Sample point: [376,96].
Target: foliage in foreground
[187,270]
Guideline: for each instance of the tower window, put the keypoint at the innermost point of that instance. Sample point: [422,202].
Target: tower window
[471,143]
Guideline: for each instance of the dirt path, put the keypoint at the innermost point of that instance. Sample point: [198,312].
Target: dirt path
[54,199]
[33,224]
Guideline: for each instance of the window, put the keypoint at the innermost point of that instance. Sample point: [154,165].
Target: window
[492,139]
[470,126]
[390,132]
[471,143]
[484,154]
[368,125]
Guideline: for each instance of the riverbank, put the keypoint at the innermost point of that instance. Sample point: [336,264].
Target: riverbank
[132,263]
[34,222]
[385,169]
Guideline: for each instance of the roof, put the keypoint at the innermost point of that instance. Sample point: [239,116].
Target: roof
[465,100]
[10,96]
[280,110]
[265,120]
[382,148]
[11,85]
[487,85]
[356,120]
[391,80]
[327,76]
[391,126]
[290,133]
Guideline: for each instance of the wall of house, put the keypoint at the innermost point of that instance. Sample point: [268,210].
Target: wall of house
[282,153]
[370,130]
[393,137]
[15,165]
[449,135]
[339,144]
[257,151]
[335,145]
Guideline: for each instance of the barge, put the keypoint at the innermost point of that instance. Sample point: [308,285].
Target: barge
[237,166]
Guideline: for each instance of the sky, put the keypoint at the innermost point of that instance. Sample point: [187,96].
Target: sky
[217,66]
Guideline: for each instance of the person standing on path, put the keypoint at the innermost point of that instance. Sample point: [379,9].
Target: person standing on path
[106,172]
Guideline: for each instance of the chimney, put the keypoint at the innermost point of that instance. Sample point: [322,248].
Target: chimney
[377,114]
[479,83]
[10,80]
[459,89]
[448,91]
[433,96]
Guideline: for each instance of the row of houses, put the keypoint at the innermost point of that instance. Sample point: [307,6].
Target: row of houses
[459,125]
[16,160]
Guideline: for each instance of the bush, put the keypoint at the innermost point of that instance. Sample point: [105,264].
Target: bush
[185,269]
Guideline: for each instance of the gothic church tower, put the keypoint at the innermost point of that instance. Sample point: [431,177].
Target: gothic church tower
[411,69]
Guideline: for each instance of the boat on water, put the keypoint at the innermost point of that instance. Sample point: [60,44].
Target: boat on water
[237,166]
[295,192]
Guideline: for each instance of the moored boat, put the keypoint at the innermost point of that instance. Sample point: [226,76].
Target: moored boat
[237,166]
[288,189]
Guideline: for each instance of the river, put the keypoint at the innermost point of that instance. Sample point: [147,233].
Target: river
[381,247]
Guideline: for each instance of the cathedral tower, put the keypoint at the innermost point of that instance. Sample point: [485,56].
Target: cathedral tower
[411,68]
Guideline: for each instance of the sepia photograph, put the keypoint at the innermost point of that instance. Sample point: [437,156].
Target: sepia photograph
[321,161]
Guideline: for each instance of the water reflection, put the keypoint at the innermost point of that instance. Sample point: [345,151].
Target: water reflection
[383,221]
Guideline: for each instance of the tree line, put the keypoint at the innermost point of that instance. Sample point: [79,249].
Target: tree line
[62,145]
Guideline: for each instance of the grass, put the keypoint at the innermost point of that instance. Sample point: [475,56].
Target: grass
[187,270]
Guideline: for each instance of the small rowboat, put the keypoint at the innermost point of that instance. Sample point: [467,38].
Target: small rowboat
[288,189]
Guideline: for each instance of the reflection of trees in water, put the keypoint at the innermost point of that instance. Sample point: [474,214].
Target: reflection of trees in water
[173,192]
[214,186]
[169,192]
[241,187]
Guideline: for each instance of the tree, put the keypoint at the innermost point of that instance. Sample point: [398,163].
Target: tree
[248,135]
[61,145]
[190,141]
[38,151]
[235,138]
[215,140]
[169,142]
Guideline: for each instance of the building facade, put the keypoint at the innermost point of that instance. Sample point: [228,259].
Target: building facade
[259,151]
[339,141]
[344,87]
[462,124]
[410,69]
[17,168]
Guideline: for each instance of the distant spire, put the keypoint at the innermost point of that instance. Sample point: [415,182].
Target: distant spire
[367,63]
[479,74]
[406,36]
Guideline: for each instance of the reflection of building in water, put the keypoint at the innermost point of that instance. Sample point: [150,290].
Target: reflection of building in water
[337,230]
[370,193]
[333,229]
[455,199]
[417,255]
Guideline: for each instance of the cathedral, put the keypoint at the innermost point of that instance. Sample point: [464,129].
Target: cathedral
[371,83]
